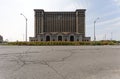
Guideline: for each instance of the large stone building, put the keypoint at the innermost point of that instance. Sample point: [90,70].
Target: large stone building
[59,26]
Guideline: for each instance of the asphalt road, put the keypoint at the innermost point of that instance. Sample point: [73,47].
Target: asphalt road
[59,62]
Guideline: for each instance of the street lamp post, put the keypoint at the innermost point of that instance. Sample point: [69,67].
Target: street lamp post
[26,26]
[94,28]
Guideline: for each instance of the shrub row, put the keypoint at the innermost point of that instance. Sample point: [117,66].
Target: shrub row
[62,43]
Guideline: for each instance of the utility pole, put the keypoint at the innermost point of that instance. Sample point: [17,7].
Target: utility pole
[94,28]
[26,26]
[111,36]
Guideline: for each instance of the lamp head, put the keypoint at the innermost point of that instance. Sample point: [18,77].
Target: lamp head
[21,14]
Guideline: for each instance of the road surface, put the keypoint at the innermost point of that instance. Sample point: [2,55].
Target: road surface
[59,62]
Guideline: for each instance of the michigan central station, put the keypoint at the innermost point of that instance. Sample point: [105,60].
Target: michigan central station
[59,25]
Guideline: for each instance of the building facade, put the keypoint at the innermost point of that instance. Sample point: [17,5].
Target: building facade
[59,26]
[1,39]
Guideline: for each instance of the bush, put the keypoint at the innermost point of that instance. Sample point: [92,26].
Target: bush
[62,43]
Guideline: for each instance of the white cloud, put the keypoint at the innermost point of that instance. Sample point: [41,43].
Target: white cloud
[110,21]
[74,6]
[117,2]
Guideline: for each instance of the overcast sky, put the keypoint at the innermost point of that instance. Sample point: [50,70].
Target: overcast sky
[12,24]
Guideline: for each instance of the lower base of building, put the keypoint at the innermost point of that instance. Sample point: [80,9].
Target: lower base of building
[59,37]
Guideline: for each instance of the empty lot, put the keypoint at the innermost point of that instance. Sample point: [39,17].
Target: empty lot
[59,62]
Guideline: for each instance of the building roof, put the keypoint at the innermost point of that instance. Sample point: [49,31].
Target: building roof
[59,11]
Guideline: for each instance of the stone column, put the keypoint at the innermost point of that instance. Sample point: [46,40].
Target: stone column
[77,21]
[42,22]
[35,24]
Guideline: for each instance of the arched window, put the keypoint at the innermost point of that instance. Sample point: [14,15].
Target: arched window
[71,38]
[59,38]
[47,38]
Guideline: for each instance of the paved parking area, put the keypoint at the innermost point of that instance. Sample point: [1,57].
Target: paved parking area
[59,62]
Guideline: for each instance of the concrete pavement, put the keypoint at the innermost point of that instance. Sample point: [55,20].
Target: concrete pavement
[59,62]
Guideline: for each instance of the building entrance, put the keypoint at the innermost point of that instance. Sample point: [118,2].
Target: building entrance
[47,38]
[59,38]
[71,38]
